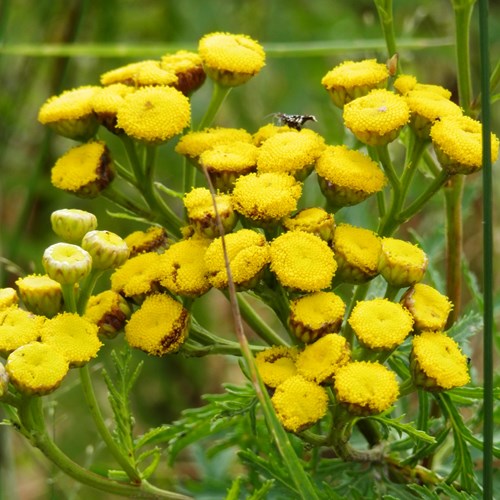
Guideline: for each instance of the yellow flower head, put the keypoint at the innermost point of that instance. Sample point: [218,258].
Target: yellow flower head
[352,79]
[139,74]
[109,311]
[302,261]
[36,369]
[229,59]
[347,177]
[248,254]
[84,170]
[426,107]
[17,327]
[292,152]
[71,224]
[188,69]
[66,263]
[71,114]
[315,220]
[276,364]
[376,118]
[201,213]
[40,294]
[151,240]
[458,144]
[357,251]
[74,336]
[437,363]
[380,324]
[266,198]
[429,308]
[160,326]
[366,388]
[183,268]
[107,101]
[320,360]
[139,276]
[299,403]
[315,315]
[154,114]
[8,297]
[401,263]
[268,131]
[405,83]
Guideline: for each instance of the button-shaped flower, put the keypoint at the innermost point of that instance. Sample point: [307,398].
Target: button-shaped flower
[315,220]
[276,364]
[109,311]
[152,240]
[8,297]
[17,327]
[40,294]
[107,249]
[66,263]
[71,224]
[140,74]
[188,69]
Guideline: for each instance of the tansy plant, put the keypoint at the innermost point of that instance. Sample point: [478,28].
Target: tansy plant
[356,363]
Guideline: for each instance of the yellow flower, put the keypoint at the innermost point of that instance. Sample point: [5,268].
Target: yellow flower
[376,118]
[188,69]
[429,308]
[276,364]
[183,268]
[107,101]
[109,311]
[201,213]
[154,114]
[36,369]
[139,74]
[71,114]
[315,315]
[17,327]
[74,336]
[320,360]
[160,326]
[248,254]
[299,403]
[40,294]
[405,83]
[66,263]
[107,249]
[153,239]
[315,220]
[302,261]
[459,146]
[437,363]
[4,381]
[292,152]
[8,297]
[84,170]
[71,224]
[347,177]
[401,263]
[380,324]
[268,131]
[229,59]
[366,388]
[266,198]
[357,251]
[352,79]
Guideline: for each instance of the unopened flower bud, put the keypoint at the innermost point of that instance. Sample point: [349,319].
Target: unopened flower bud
[71,224]
[66,263]
[40,294]
[107,249]
[8,297]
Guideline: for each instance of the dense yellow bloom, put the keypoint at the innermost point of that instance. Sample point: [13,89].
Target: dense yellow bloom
[292,152]
[315,220]
[299,403]
[401,263]
[366,388]
[405,83]
[17,327]
[248,254]
[160,326]
[320,360]
[71,113]
[66,263]
[84,170]
[107,101]
[183,268]
[459,145]
[231,59]
[71,224]
[376,118]
[380,324]
[302,261]
[315,315]
[40,294]
[437,362]
[74,336]
[348,177]
[429,308]
[8,297]
[264,198]
[276,364]
[352,79]
[188,68]
[357,251]
[109,311]
[267,131]
[153,239]
[139,74]
[154,114]
[36,369]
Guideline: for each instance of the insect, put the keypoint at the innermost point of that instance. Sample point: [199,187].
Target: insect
[294,121]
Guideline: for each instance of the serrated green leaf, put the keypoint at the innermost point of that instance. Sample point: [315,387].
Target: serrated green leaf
[155,436]
[234,491]
[466,326]
[402,427]
[150,469]
[262,492]
[423,492]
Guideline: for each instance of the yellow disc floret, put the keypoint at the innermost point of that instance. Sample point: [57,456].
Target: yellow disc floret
[8,297]
[153,239]
[140,73]
[40,294]
[276,364]
[17,327]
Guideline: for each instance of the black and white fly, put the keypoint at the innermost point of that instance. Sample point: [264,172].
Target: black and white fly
[294,121]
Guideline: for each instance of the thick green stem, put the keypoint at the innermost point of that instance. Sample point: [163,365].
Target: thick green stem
[384,9]
[87,288]
[219,94]
[68,292]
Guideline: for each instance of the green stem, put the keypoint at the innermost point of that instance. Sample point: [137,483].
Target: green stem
[87,288]
[68,291]
[111,194]
[384,10]
[219,94]
[359,294]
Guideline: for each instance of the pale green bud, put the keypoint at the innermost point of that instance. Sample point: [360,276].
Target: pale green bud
[66,263]
[71,224]
[107,249]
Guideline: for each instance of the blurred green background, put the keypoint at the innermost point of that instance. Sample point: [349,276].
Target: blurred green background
[289,83]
